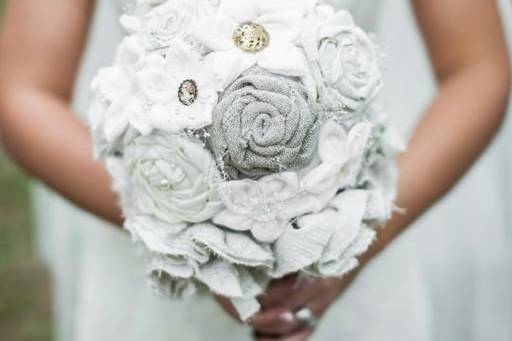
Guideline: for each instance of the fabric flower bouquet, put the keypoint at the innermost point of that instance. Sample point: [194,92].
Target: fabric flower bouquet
[244,139]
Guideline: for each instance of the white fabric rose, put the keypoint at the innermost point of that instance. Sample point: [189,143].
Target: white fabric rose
[118,101]
[172,178]
[170,106]
[345,61]
[281,20]
[163,23]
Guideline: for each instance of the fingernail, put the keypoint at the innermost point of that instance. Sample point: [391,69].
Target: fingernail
[287,317]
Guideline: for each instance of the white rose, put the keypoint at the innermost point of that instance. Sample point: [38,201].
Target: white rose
[345,61]
[163,23]
[173,178]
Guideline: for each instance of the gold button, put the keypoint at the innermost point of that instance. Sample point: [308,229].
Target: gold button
[251,37]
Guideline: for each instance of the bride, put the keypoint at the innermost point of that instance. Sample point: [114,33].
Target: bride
[447,279]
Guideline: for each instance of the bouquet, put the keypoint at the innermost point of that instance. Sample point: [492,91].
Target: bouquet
[245,141]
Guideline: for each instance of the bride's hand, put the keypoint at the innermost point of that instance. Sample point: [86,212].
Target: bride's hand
[289,295]
[282,299]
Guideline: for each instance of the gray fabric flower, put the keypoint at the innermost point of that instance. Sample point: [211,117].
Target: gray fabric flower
[264,124]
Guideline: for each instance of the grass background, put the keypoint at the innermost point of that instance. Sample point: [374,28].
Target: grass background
[25,303]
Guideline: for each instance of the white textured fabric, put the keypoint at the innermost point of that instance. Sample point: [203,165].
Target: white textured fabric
[449,278]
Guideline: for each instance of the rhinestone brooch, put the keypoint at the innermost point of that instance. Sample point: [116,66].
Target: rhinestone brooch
[187,92]
[251,37]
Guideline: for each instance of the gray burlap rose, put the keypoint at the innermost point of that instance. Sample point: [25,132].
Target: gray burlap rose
[263,124]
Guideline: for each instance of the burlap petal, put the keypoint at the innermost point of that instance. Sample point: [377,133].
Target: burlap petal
[264,124]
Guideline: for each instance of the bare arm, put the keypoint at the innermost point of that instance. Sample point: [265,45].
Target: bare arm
[40,49]
[469,54]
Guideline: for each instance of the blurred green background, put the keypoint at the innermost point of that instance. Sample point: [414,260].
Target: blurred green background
[25,300]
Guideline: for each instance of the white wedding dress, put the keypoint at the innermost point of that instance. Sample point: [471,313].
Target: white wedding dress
[448,278]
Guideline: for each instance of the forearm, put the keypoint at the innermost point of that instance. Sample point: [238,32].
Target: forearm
[454,131]
[41,133]
[39,59]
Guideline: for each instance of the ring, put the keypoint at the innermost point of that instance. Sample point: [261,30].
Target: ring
[305,317]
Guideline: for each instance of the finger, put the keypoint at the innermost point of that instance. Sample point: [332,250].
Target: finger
[279,291]
[274,322]
[320,292]
[302,335]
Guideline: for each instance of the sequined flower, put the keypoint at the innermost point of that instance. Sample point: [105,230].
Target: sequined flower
[181,91]
[242,34]
[118,101]
[263,207]
[345,61]
[263,124]
[172,178]
[266,206]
